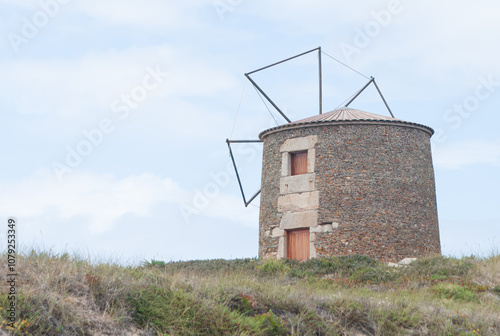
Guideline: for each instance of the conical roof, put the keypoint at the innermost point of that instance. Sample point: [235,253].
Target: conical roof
[347,115]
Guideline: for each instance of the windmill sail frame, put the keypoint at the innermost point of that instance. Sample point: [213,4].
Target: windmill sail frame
[320,103]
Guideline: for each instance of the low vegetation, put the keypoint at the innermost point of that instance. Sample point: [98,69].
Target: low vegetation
[65,295]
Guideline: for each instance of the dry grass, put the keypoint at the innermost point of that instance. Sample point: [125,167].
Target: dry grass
[63,295]
[488,271]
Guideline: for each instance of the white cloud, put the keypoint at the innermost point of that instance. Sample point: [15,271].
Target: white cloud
[230,207]
[20,3]
[150,14]
[69,87]
[432,38]
[460,154]
[454,33]
[102,199]
[91,83]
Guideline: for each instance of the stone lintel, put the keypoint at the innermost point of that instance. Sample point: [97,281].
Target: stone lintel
[297,220]
[299,144]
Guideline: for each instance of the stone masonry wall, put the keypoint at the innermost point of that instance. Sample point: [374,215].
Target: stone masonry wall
[376,188]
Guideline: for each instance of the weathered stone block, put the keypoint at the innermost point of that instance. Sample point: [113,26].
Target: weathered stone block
[285,164]
[277,232]
[299,144]
[299,202]
[296,220]
[311,160]
[297,183]
[323,228]
[281,248]
[406,261]
[312,250]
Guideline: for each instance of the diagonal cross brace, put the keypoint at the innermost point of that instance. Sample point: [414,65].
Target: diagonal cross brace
[236,169]
[372,80]
[247,75]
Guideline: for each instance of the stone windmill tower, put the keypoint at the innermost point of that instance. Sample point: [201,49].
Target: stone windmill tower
[347,182]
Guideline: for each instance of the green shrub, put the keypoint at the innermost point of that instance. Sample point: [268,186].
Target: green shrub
[372,275]
[272,324]
[153,263]
[319,266]
[163,308]
[178,312]
[346,265]
[395,321]
[454,292]
[212,265]
[362,269]
[352,263]
[440,267]
[33,317]
[273,266]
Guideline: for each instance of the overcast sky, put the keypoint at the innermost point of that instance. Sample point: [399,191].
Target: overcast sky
[114,113]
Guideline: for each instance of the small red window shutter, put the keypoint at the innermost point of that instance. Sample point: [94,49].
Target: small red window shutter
[299,163]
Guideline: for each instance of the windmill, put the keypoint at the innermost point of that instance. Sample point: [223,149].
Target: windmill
[344,182]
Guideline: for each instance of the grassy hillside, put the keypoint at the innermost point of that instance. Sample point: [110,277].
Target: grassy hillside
[63,295]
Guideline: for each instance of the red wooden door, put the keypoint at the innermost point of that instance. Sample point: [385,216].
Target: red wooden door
[298,244]
[299,163]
